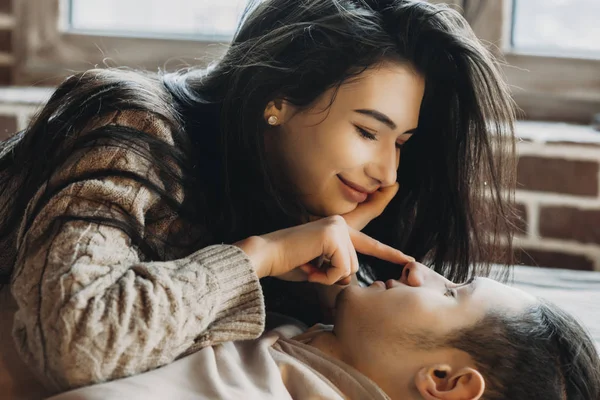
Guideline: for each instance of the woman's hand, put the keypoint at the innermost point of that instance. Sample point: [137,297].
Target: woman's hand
[278,253]
[360,217]
[371,208]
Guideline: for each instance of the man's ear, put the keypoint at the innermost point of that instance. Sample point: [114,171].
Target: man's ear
[442,382]
[280,109]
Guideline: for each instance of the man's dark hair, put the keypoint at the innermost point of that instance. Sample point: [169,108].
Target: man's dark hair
[543,353]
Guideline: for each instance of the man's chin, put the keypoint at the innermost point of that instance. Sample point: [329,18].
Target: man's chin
[342,302]
[339,299]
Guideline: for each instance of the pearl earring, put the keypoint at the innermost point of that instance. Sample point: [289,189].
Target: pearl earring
[273,120]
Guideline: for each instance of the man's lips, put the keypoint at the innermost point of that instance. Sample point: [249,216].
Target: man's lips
[389,284]
[380,284]
[356,187]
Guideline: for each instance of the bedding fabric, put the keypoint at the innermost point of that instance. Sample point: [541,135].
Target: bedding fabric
[271,367]
[577,292]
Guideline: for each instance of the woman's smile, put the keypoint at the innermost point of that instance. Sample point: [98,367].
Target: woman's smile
[317,151]
[351,192]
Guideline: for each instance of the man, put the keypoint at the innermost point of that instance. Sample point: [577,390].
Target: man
[419,337]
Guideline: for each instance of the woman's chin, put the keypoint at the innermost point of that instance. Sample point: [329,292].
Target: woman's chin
[341,209]
[329,209]
[347,207]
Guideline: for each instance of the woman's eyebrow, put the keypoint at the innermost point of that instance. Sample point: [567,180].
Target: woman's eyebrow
[379,117]
[384,119]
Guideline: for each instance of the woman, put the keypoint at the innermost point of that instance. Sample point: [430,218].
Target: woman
[121,201]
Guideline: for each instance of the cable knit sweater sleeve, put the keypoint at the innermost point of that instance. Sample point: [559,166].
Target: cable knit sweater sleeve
[90,309]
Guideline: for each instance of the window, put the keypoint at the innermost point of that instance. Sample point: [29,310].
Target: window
[60,37]
[551,46]
[554,53]
[190,19]
[557,27]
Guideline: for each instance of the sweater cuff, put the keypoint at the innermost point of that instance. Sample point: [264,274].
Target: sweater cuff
[239,312]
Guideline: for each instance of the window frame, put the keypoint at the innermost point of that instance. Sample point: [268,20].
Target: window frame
[46,54]
[548,88]
[544,87]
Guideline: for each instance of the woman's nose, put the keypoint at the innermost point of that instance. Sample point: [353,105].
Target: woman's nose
[385,169]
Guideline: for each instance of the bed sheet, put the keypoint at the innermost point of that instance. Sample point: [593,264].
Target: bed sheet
[577,292]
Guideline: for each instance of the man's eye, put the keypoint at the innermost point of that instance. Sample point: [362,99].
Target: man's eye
[450,292]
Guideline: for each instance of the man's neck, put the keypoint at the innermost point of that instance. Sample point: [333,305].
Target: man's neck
[327,342]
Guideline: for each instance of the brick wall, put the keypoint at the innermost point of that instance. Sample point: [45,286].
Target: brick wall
[558,194]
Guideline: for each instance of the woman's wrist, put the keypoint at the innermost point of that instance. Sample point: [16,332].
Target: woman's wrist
[255,248]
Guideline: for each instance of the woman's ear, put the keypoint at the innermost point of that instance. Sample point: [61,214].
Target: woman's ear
[277,112]
[442,382]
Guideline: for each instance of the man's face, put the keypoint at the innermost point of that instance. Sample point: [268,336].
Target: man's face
[345,146]
[390,329]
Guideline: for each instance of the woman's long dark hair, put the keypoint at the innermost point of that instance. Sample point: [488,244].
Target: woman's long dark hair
[457,173]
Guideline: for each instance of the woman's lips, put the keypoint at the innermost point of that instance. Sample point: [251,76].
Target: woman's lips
[356,186]
[351,193]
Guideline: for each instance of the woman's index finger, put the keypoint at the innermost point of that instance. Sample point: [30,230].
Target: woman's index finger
[365,244]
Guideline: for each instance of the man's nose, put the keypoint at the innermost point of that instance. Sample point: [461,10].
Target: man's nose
[415,274]
[412,275]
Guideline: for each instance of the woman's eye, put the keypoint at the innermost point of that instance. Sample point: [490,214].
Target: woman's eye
[371,136]
[366,134]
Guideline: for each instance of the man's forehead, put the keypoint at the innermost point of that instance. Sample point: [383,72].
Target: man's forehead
[498,295]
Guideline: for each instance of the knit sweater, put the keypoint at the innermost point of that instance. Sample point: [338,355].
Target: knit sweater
[90,307]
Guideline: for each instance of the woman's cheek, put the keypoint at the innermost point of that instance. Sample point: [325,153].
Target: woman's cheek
[355,155]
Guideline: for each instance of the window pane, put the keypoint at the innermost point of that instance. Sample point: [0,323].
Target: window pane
[557,27]
[200,19]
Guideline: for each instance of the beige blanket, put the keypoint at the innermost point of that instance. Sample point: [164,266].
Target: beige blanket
[271,367]
[577,292]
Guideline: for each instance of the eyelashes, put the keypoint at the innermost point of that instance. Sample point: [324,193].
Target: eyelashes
[450,292]
[366,134]
[370,136]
